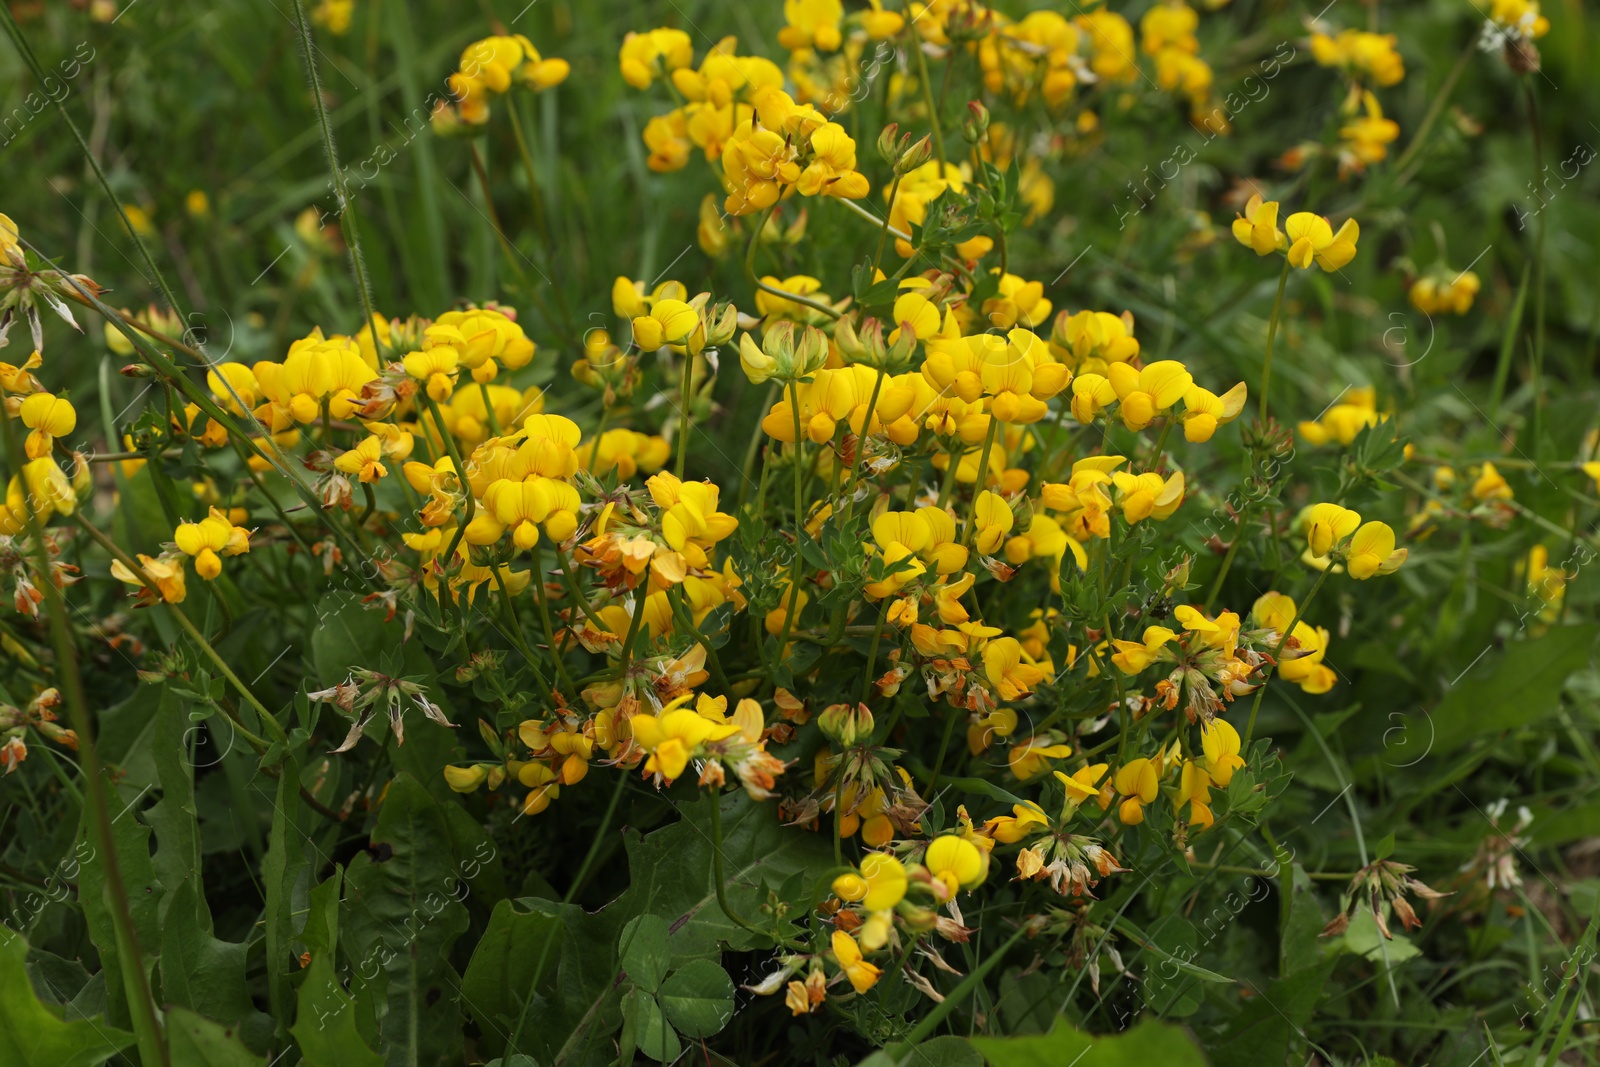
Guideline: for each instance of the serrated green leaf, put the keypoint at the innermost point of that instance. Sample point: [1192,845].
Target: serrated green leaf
[325,1023]
[195,1041]
[402,918]
[30,1035]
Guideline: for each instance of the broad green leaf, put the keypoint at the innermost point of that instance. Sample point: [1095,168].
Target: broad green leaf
[1173,986]
[946,1051]
[283,870]
[402,917]
[325,1023]
[347,635]
[198,971]
[503,968]
[648,1027]
[174,818]
[697,998]
[1520,687]
[1147,1042]
[31,1035]
[195,1041]
[1365,939]
[671,872]
[132,840]
[1262,1033]
[645,953]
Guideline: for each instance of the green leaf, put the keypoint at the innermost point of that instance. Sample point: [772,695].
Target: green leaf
[284,868]
[1172,984]
[1515,689]
[198,971]
[132,841]
[30,1035]
[195,1041]
[325,1024]
[1260,1035]
[347,635]
[698,998]
[648,1028]
[645,953]
[504,967]
[1148,1042]
[402,918]
[1384,848]
[946,1051]
[671,872]
[1365,939]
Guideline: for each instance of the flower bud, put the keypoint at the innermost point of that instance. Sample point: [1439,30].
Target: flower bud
[975,126]
[720,323]
[888,146]
[756,364]
[1022,513]
[915,156]
[846,724]
[138,370]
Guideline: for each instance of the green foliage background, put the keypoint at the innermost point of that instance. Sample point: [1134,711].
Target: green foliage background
[441,931]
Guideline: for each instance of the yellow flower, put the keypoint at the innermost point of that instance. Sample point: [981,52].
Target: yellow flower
[52,493]
[1445,292]
[1343,422]
[1023,821]
[1139,782]
[1132,657]
[654,54]
[364,460]
[1081,785]
[436,368]
[166,574]
[1030,757]
[1220,741]
[49,417]
[670,322]
[1257,228]
[954,861]
[1005,665]
[1312,240]
[673,739]
[1204,411]
[1149,392]
[210,539]
[1148,495]
[862,975]
[880,885]
[1372,551]
[466,779]
[1327,527]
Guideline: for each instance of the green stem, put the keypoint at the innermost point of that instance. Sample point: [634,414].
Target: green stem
[147,1020]
[980,479]
[1272,335]
[599,837]
[341,187]
[183,620]
[883,235]
[927,100]
[861,444]
[685,424]
[750,272]
[717,876]
[449,440]
[799,525]
[930,1022]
